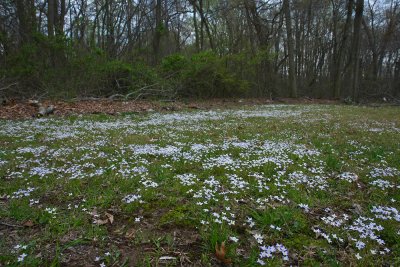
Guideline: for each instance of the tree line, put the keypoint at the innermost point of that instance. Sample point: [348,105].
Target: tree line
[200,48]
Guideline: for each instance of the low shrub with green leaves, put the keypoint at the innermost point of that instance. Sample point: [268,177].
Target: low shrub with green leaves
[54,67]
[207,76]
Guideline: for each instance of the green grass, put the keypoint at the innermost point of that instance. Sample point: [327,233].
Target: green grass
[177,184]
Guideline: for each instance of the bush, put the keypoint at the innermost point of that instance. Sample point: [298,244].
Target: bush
[203,75]
[31,63]
[116,76]
[143,75]
[174,64]
[56,68]
[207,76]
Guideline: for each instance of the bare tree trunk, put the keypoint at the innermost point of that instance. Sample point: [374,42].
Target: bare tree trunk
[60,18]
[251,33]
[25,11]
[355,49]
[50,17]
[387,36]
[372,45]
[203,22]
[129,23]
[196,29]
[291,53]
[396,80]
[254,17]
[339,49]
[157,31]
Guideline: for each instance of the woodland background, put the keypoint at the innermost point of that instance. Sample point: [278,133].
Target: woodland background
[168,49]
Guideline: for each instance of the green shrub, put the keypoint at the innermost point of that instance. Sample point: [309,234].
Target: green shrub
[60,68]
[143,75]
[207,76]
[116,76]
[174,64]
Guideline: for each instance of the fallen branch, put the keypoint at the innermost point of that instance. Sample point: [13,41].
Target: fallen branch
[112,97]
[87,99]
[140,89]
[8,86]
[11,225]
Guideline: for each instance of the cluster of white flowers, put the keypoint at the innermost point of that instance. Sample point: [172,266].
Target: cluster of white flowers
[348,176]
[221,161]
[139,170]
[237,182]
[51,210]
[250,222]
[366,228]
[18,249]
[132,198]
[150,149]
[98,259]
[274,227]
[77,205]
[227,217]
[208,192]
[303,152]
[33,202]
[268,252]
[148,183]
[32,150]
[22,257]
[22,193]
[384,172]
[261,181]
[41,171]
[258,237]
[335,220]
[310,181]
[234,239]
[328,237]
[271,199]
[187,179]
[360,245]
[138,219]
[386,213]
[305,207]
[382,184]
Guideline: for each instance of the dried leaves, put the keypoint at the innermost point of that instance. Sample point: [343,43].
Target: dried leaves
[220,253]
[109,219]
[28,223]
[131,233]
[27,109]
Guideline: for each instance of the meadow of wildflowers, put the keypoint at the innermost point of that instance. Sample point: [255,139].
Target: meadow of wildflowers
[276,184]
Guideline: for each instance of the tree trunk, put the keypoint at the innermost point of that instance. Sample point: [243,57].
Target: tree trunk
[291,53]
[339,52]
[157,32]
[60,18]
[196,30]
[50,17]
[355,49]
[256,21]
[396,80]
[26,14]
[203,22]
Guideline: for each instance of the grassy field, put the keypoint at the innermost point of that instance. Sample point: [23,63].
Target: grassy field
[272,185]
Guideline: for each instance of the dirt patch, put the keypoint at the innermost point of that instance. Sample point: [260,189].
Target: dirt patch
[24,110]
